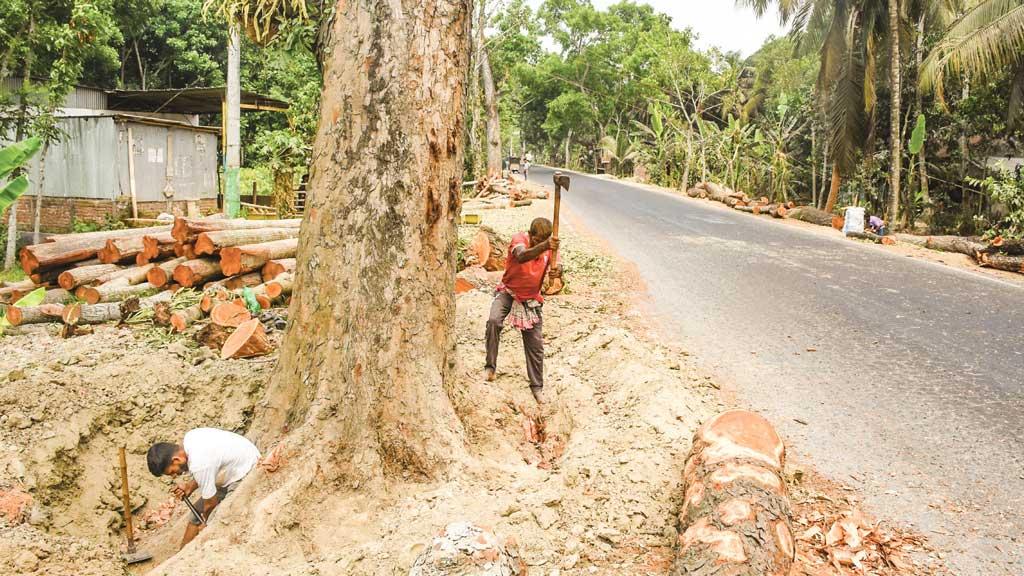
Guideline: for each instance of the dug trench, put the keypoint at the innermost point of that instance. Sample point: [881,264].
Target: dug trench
[589,484]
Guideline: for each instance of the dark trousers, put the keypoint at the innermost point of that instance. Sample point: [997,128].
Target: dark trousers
[533,340]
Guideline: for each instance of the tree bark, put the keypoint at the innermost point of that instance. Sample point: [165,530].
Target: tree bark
[116,291]
[493,122]
[37,219]
[735,516]
[242,259]
[370,344]
[284,192]
[187,229]
[74,248]
[18,316]
[193,272]
[211,242]
[895,141]
[161,274]
[833,191]
[274,267]
[812,215]
[75,277]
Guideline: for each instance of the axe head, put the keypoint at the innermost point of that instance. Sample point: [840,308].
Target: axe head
[561,180]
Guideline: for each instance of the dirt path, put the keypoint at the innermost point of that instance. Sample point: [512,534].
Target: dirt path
[588,486]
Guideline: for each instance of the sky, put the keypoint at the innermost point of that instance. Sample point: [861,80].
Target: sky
[716,22]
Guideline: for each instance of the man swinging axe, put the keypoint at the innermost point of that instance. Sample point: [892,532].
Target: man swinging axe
[518,300]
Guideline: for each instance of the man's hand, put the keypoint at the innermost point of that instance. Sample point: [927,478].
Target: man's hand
[184,490]
[552,243]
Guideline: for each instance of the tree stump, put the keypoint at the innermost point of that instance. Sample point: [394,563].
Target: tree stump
[735,515]
[462,549]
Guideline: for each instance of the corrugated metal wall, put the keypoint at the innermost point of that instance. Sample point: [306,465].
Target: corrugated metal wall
[84,164]
[170,163]
[91,161]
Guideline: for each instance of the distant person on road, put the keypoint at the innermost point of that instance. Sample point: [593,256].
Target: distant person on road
[877,225]
[526,169]
[518,301]
[217,461]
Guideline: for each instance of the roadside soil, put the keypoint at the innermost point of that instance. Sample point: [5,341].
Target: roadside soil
[588,484]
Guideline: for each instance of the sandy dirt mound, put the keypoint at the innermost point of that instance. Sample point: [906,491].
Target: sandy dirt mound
[67,405]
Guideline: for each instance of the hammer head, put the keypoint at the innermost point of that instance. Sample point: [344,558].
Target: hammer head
[561,180]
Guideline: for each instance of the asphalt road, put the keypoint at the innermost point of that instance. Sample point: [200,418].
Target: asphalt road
[914,390]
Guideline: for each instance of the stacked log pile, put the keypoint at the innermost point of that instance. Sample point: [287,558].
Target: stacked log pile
[495,193]
[740,200]
[112,276]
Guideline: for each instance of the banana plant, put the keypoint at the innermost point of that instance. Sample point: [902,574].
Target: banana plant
[12,158]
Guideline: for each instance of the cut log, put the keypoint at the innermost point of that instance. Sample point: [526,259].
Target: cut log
[211,242]
[718,193]
[735,517]
[998,261]
[47,276]
[73,248]
[57,296]
[519,203]
[22,286]
[153,245]
[477,277]
[887,240]
[228,314]
[78,313]
[838,222]
[274,267]
[812,215]
[243,280]
[75,277]
[1005,246]
[968,245]
[263,301]
[116,291]
[185,250]
[488,249]
[280,286]
[160,274]
[19,316]
[192,272]
[242,259]
[121,249]
[188,229]
[248,340]
[779,211]
[133,275]
[186,317]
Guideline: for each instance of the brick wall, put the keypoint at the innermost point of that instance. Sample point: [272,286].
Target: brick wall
[59,213]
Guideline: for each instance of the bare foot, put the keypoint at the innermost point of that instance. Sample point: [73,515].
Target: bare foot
[489,374]
[538,394]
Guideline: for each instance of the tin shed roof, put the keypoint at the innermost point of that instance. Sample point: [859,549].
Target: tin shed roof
[186,100]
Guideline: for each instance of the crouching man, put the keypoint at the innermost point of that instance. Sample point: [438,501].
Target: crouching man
[217,461]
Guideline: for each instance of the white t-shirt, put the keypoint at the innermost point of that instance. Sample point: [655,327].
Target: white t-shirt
[218,458]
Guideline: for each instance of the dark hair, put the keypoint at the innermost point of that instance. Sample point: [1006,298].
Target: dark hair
[159,457]
[540,228]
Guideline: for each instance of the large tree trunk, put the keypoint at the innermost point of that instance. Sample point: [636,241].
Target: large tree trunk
[368,358]
[493,124]
[895,142]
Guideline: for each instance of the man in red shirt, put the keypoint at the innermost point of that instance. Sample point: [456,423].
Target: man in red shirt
[518,301]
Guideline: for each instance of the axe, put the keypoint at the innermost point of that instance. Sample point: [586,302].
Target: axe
[561,182]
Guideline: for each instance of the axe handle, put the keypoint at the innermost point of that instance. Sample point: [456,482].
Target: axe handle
[554,222]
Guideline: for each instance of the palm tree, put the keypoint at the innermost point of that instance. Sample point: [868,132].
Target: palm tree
[988,38]
[846,34]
